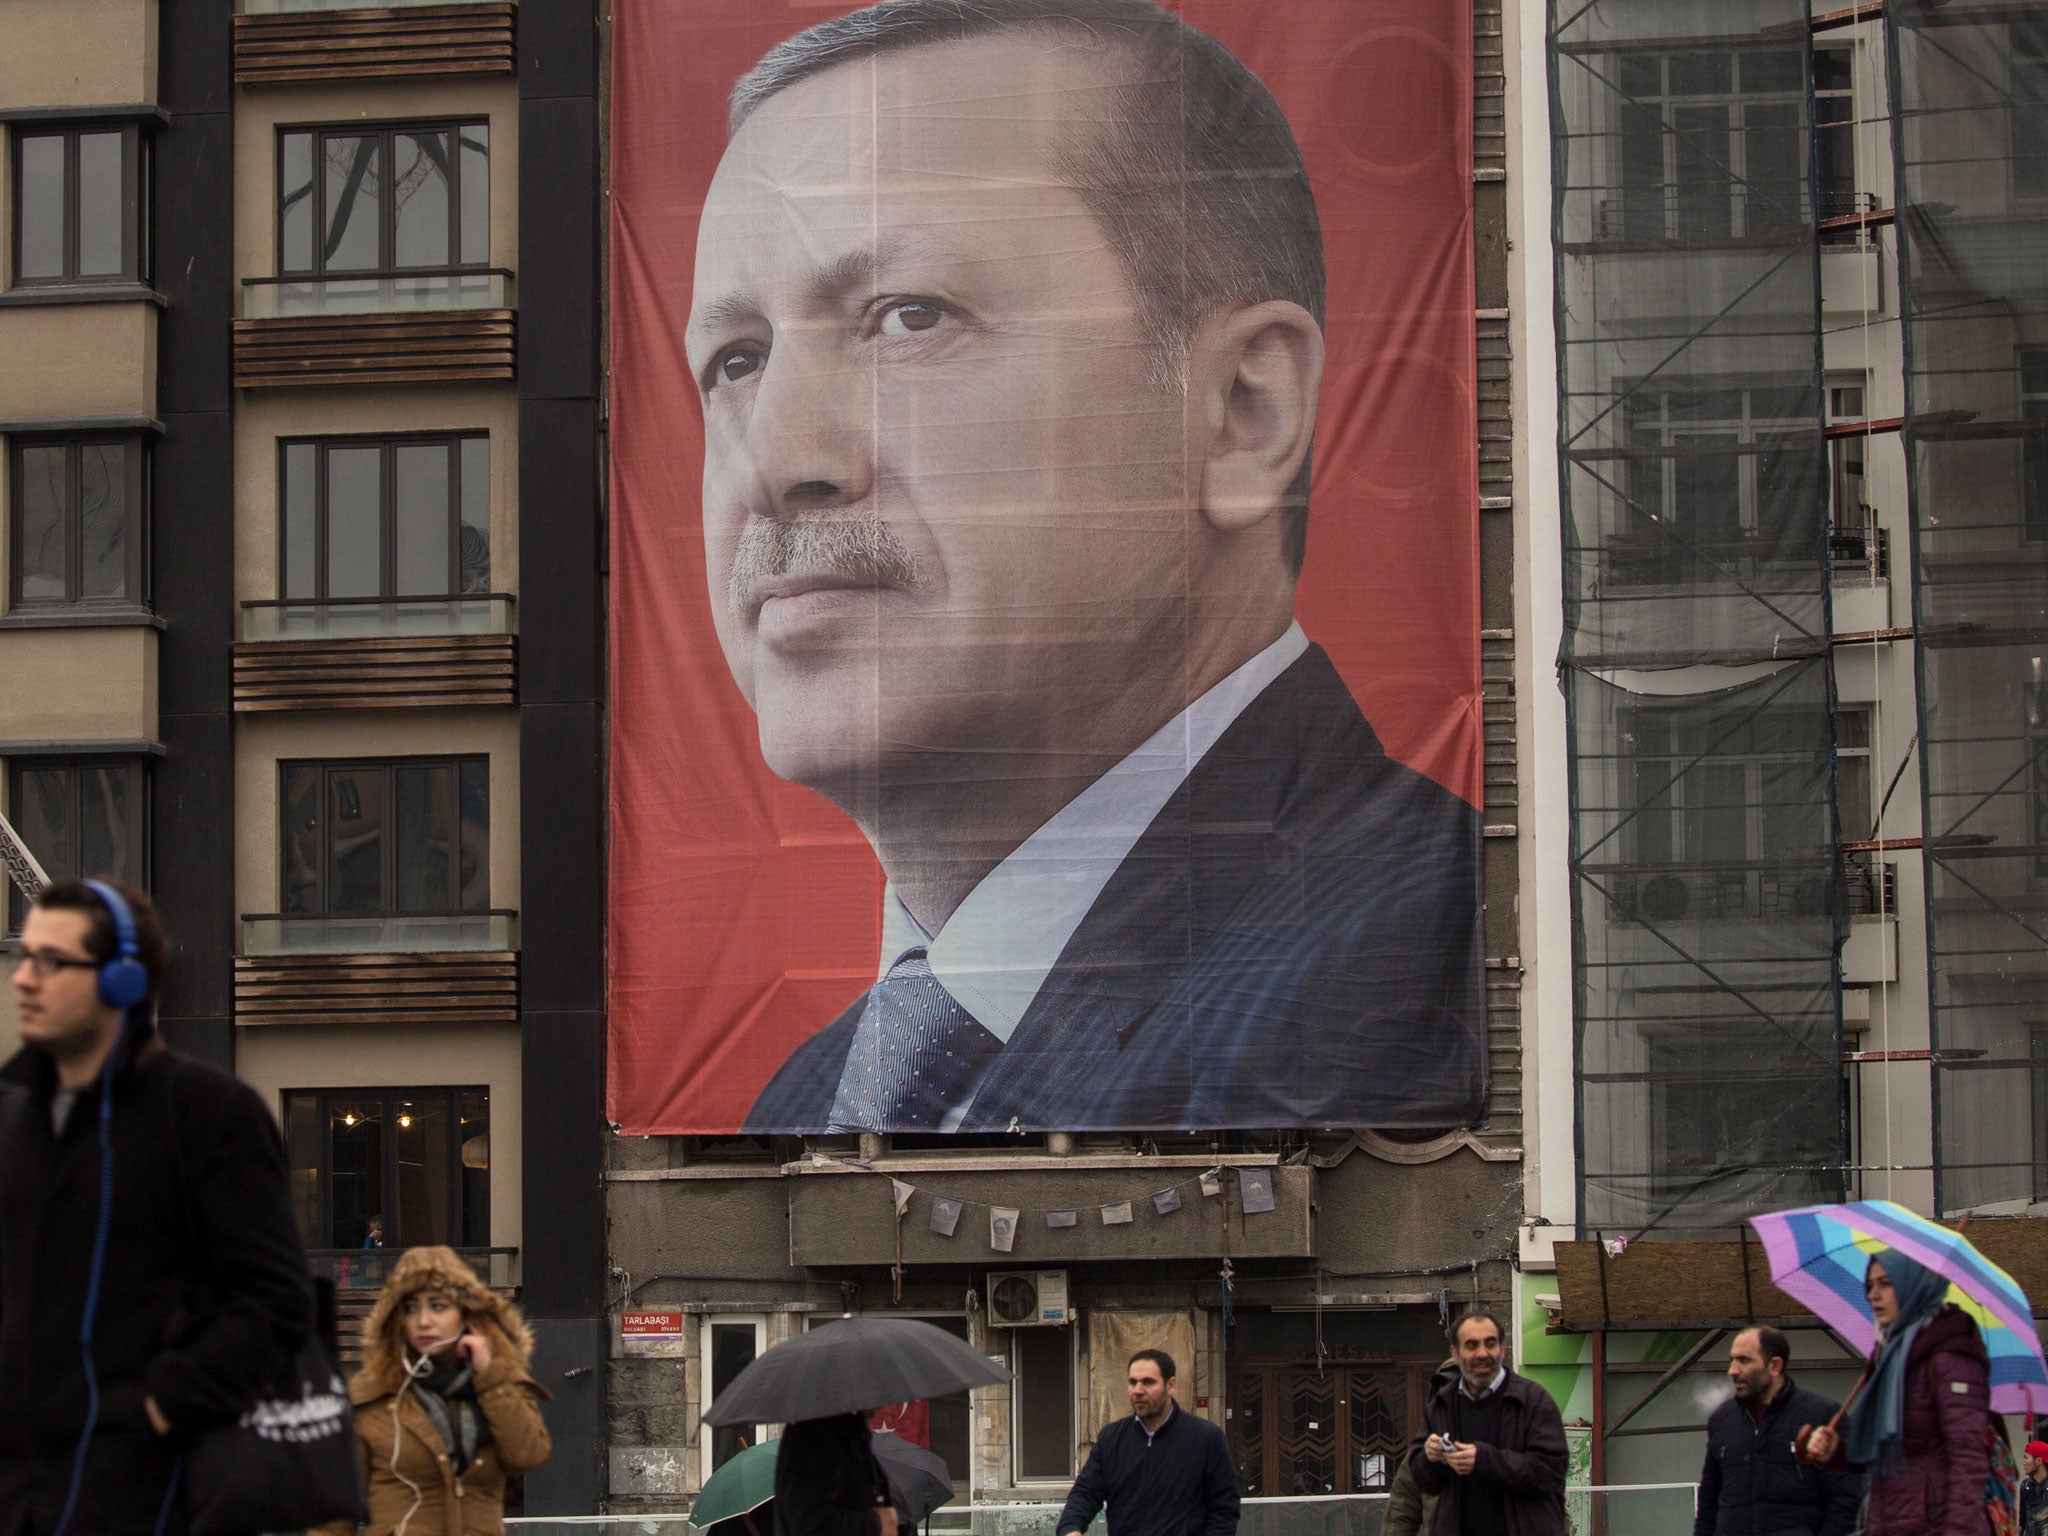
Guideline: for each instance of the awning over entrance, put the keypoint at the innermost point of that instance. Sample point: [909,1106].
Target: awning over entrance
[1728,1284]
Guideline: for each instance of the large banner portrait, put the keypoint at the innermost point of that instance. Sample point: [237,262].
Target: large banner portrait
[1044,530]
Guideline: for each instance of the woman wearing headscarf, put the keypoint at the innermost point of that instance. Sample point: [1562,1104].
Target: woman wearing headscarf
[1918,1427]
[827,1481]
[445,1408]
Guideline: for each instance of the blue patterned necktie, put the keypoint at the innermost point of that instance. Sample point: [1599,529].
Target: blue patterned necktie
[915,1051]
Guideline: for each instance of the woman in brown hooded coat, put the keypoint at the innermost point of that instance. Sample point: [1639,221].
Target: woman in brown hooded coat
[445,1409]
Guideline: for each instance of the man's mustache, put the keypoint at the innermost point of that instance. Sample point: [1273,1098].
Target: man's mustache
[856,549]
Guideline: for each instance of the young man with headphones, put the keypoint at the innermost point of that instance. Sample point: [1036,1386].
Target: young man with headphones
[151,1278]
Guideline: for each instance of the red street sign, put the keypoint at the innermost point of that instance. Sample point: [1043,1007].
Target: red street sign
[651,1325]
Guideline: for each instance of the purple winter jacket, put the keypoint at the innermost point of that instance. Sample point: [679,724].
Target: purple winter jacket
[1948,1407]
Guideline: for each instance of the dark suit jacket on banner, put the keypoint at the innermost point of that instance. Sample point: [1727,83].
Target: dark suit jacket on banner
[1295,940]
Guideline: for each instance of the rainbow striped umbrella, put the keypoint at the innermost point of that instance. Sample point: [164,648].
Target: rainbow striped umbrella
[1819,1253]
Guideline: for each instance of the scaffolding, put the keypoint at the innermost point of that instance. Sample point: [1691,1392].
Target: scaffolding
[1688,189]
[1970,143]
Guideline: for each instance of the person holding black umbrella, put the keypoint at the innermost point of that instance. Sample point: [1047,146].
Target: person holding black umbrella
[828,1483]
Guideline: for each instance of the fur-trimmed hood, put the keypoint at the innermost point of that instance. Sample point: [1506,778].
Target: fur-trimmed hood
[441,1270]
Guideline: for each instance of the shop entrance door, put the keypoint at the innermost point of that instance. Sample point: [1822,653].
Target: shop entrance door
[1297,1429]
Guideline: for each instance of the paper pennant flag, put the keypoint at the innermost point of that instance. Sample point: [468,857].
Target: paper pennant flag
[1115,1215]
[1002,1228]
[1062,1218]
[903,1192]
[945,1215]
[1167,1201]
[1255,1189]
[1212,1183]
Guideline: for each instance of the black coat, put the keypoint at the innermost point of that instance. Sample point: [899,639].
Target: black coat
[1178,1483]
[204,1297]
[1754,1485]
[1527,1459]
[827,1481]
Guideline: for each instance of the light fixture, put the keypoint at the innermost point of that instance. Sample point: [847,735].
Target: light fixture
[405,1122]
[349,1118]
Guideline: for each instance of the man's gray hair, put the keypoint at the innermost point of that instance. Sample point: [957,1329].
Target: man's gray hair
[1198,183]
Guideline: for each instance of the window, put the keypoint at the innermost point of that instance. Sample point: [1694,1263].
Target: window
[2027,42]
[2034,415]
[78,201]
[395,839]
[730,1345]
[79,818]
[1731,815]
[78,523]
[390,517]
[1746,1098]
[1834,131]
[2037,776]
[1724,477]
[1855,811]
[1042,1361]
[1712,144]
[393,199]
[414,1161]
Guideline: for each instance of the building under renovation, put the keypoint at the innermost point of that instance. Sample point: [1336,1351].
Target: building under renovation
[307,567]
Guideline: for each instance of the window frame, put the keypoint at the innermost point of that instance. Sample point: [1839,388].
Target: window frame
[707,1442]
[60,864]
[135,173]
[388,853]
[2028,193]
[388,444]
[1669,102]
[2033,407]
[387,133]
[390,1100]
[1020,1385]
[1660,436]
[136,516]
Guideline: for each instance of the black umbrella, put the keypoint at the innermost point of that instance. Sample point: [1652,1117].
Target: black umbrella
[918,1480]
[849,1367]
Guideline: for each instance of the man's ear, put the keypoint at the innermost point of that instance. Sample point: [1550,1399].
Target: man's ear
[1253,377]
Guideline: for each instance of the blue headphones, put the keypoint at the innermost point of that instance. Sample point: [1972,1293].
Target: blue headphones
[123,982]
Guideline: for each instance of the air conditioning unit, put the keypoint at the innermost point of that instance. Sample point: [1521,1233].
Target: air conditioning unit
[1026,1298]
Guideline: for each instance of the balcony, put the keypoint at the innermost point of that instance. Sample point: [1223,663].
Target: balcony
[278,43]
[376,653]
[376,328]
[282,934]
[460,968]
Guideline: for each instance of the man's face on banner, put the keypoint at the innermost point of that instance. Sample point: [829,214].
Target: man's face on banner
[944,503]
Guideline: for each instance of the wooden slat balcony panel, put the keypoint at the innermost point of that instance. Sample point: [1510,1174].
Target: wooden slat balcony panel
[375,349]
[376,672]
[374,43]
[464,987]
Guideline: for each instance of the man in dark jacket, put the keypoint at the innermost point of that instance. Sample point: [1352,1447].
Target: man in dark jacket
[1492,1447]
[1162,1471]
[202,1293]
[1753,1484]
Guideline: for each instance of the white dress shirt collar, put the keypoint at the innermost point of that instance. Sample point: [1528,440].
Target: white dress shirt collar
[996,950]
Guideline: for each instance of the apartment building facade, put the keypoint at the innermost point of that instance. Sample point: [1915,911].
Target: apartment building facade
[303,615]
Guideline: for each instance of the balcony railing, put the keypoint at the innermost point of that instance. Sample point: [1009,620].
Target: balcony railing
[289,933]
[365,1269]
[376,293]
[363,618]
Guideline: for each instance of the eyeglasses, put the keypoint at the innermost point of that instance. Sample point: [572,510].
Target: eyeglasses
[47,962]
